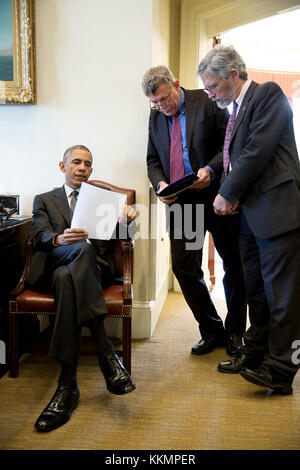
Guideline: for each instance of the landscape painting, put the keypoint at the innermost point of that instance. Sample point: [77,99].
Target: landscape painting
[17,52]
[6,41]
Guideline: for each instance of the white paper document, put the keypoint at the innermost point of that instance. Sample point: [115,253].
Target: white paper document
[97,211]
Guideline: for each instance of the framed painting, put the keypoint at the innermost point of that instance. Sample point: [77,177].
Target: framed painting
[17,52]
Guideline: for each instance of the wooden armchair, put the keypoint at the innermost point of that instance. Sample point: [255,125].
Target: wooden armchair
[118,297]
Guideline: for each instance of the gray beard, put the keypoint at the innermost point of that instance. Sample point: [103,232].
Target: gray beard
[223,105]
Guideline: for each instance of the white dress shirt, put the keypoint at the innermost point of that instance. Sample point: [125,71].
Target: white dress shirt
[239,101]
[241,96]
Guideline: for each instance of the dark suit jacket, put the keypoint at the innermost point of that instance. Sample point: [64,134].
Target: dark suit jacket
[205,131]
[265,174]
[51,216]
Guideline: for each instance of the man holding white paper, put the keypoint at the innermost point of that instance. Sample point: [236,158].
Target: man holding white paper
[75,268]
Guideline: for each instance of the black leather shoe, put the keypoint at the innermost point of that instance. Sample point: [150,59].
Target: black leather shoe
[59,409]
[233,344]
[118,380]
[234,366]
[205,346]
[266,377]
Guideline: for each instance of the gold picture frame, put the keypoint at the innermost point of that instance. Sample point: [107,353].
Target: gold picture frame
[22,89]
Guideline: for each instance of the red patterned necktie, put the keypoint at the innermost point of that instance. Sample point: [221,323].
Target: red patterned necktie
[176,158]
[230,124]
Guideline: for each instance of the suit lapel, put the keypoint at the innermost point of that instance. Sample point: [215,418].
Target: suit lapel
[190,116]
[61,202]
[163,128]
[243,108]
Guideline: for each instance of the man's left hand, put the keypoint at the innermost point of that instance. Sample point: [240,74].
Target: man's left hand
[224,207]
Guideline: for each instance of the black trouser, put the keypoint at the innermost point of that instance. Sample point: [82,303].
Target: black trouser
[77,288]
[187,261]
[272,277]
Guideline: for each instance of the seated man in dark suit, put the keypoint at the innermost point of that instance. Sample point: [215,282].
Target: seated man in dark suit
[75,269]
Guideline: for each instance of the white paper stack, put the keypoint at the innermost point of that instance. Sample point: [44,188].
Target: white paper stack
[97,211]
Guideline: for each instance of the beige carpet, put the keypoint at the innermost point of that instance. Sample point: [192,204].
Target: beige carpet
[181,401]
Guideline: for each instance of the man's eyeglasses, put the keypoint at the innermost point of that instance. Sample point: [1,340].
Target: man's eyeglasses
[162,102]
[210,88]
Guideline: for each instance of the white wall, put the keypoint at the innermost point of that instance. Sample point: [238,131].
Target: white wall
[89,69]
[91,56]
[165,49]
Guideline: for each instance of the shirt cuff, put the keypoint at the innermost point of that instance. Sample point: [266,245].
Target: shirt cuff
[157,187]
[212,173]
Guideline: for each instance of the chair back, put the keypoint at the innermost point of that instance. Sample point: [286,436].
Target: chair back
[130,200]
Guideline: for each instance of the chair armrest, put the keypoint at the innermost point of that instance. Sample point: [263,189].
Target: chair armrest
[20,285]
[127,247]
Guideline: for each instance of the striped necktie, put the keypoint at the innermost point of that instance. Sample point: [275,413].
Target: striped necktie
[230,124]
[176,157]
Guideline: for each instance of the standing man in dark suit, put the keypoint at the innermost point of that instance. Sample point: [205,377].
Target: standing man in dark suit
[201,128]
[75,269]
[263,179]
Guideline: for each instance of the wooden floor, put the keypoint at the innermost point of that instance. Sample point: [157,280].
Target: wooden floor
[181,402]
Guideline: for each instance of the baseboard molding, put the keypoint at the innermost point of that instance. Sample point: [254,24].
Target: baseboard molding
[145,314]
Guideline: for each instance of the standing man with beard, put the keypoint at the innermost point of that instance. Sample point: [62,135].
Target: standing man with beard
[184,124]
[262,177]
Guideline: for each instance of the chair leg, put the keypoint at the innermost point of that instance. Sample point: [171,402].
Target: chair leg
[127,343]
[13,346]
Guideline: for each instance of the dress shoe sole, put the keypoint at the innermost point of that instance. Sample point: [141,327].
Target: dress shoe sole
[120,391]
[224,371]
[206,351]
[63,421]
[283,388]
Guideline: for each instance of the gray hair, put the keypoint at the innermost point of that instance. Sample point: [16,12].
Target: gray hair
[70,149]
[220,60]
[155,77]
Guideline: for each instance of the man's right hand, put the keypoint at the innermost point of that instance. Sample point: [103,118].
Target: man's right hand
[70,236]
[165,200]
[203,180]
